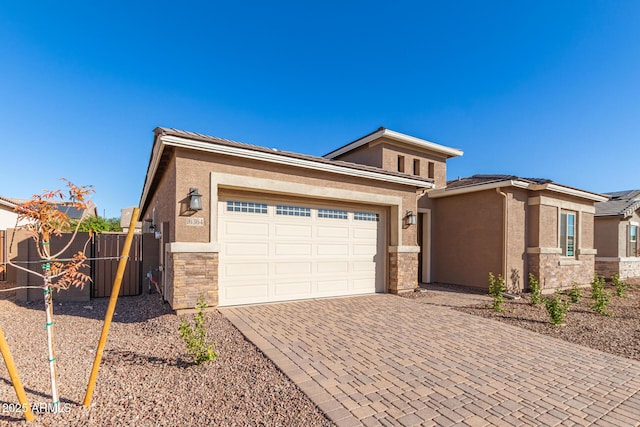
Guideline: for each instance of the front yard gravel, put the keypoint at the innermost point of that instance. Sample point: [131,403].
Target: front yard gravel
[146,377]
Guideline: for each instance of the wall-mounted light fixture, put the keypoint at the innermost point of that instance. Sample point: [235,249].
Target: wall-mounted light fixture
[409,218]
[195,200]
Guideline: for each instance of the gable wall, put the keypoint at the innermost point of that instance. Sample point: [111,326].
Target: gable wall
[364,155]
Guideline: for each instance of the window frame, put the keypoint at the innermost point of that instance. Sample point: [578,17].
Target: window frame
[632,244]
[568,241]
[401,163]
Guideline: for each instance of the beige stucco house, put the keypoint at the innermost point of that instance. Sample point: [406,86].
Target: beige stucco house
[243,224]
[277,226]
[512,226]
[617,224]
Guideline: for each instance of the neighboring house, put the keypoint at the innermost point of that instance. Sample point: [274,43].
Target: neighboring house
[8,216]
[617,225]
[241,224]
[125,221]
[511,226]
[74,213]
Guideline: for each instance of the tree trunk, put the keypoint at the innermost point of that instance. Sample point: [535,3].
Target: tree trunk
[48,307]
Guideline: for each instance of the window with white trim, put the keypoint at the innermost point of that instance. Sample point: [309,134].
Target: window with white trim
[568,233]
[332,214]
[633,241]
[366,216]
[292,210]
[249,207]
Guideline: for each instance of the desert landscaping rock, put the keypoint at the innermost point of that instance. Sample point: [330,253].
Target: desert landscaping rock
[146,378]
[617,334]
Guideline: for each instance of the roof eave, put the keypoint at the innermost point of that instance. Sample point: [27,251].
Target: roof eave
[445,192]
[162,140]
[397,136]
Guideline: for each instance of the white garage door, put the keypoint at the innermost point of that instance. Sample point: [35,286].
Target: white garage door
[278,251]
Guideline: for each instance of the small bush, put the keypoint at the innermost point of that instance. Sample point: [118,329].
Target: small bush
[496,288]
[557,308]
[195,337]
[536,291]
[575,294]
[621,287]
[600,296]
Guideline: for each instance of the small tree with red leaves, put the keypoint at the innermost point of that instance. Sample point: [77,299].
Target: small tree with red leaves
[42,219]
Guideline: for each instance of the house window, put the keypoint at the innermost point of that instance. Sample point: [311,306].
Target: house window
[431,172]
[332,213]
[568,233]
[400,163]
[365,216]
[633,240]
[416,167]
[292,210]
[248,207]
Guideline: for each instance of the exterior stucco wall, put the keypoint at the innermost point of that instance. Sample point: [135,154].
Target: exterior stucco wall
[364,155]
[162,207]
[7,217]
[516,271]
[194,169]
[391,151]
[545,261]
[467,238]
[612,241]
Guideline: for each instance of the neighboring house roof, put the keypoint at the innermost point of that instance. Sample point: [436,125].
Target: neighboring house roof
[74,213]
[10,203]
[397,136]
[195,141]
[621,203]
[487,182]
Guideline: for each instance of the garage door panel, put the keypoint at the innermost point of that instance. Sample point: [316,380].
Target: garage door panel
[296,288]
[248,229]
[288,230]
[283,268]
[364,250]
[362,284]
[365,233]
[333,267]
[293,251]
[246,269]
[333,249]
[240,292]
[333,232]
[247,249]
[362,266]
[330,286]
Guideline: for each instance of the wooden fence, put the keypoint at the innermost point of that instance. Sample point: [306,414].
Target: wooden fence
[104,250]
[107,249]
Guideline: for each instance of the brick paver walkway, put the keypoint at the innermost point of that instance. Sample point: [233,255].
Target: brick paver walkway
[386,360]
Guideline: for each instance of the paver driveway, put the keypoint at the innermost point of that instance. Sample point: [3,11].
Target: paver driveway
[386,360]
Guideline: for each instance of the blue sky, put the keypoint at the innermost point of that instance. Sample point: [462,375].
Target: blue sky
[531,88]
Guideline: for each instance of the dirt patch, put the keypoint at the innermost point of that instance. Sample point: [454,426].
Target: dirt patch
[146,378]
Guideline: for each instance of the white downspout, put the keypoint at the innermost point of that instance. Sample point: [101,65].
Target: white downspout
[505,232]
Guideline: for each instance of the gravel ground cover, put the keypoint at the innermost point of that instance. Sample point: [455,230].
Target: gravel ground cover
[146,377]
[618,334]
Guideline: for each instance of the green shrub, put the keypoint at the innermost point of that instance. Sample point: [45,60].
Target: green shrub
[496,288]
[575,294]
[536,291]
[621,287]
[557,308]
[600,296]
[195,337]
